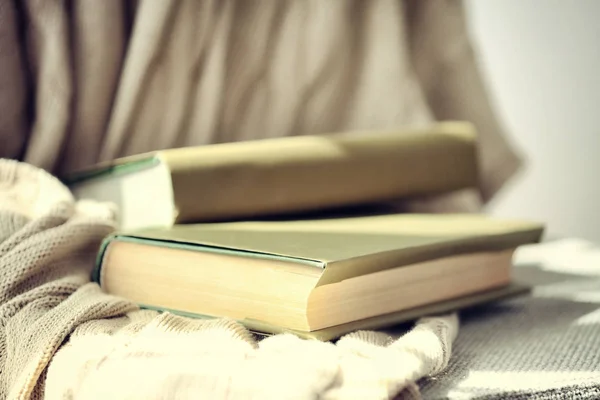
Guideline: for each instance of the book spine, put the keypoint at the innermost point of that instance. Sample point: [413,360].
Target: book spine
[309,173]
[97,271]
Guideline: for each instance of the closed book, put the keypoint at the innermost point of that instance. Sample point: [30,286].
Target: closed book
[286,175]
[320,277]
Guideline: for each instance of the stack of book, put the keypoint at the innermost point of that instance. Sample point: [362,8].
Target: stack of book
[274,233]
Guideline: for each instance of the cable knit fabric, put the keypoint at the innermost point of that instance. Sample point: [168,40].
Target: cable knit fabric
[62,338]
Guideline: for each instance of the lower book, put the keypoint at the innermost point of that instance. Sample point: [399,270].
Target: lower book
[380,321]
[318,278]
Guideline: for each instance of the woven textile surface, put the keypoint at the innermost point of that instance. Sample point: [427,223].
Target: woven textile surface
[546,346]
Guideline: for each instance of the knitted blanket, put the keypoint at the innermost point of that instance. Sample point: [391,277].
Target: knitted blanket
[61,337]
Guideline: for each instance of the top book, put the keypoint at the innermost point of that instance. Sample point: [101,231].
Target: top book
[286,175]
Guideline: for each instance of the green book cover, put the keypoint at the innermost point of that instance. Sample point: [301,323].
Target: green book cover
[342,248]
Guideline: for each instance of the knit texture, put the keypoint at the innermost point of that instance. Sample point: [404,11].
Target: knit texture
[47,250]
[61,337]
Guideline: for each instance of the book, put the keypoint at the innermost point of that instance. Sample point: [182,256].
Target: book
[285,175]
[317,278]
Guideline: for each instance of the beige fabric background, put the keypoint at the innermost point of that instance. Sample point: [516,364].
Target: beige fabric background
[85,81]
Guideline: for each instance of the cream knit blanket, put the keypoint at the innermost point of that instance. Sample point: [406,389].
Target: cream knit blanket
[61,337]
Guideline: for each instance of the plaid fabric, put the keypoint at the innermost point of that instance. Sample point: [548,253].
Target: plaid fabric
[544,346]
